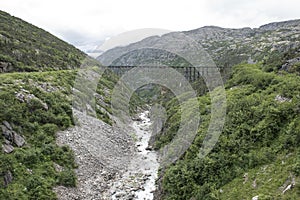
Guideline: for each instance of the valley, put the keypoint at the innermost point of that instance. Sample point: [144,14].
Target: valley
[62,136]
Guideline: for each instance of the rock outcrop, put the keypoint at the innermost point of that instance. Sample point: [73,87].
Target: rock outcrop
[11,137]
[8,178]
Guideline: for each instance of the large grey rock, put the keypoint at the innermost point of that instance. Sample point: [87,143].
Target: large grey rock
[7,133]
[288,66]
[7,125]
[25,96]
[11,136]
[7,148]
[5,67]
[7,178]
[18,139]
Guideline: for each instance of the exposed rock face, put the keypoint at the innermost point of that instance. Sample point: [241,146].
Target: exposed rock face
[227,47]
[292,65]
[7,125]
[11,137]
[277,25]
[158,117]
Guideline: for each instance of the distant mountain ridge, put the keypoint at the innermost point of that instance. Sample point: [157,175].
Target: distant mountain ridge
[276,25]
[229,46]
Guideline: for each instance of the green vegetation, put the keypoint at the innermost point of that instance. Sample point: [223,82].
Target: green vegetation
[33,165]
[44,110]
[24,47]
[261,137]
[37,105]
[257,154]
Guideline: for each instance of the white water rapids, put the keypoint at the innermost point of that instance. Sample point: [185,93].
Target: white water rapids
[138,182]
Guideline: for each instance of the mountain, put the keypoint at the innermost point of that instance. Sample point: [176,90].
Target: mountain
[227,47]
[25,47]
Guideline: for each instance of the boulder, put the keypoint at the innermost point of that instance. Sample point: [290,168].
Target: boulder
[11,137]
[7,133]
[288,66]
[7,141]
[7,148]
[18,139]
[5,123]
[5,67]
[7,178]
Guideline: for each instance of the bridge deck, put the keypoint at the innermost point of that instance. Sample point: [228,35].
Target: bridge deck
[190,73]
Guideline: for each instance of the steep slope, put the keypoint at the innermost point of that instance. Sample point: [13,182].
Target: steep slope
[36,105]
[24,47]
[258,151]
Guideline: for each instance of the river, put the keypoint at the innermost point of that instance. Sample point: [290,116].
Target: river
[138,182]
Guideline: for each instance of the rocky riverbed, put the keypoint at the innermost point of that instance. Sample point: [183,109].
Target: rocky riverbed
[138,182]
[112,164]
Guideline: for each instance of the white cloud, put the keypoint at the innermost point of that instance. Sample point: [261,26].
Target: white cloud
[98,19]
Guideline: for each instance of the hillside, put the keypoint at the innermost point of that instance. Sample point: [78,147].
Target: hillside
[258,151]
[24,47]
[40,89]
[257,154]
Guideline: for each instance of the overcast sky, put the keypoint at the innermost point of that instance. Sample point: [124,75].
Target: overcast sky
[79,21]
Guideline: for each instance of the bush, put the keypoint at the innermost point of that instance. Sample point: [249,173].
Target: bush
[50,129]
[67,178]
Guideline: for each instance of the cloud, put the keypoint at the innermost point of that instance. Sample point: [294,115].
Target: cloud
[128,37]
[76,21]
[236,13]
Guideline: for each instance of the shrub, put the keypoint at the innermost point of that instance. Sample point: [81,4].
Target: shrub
[67,178]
